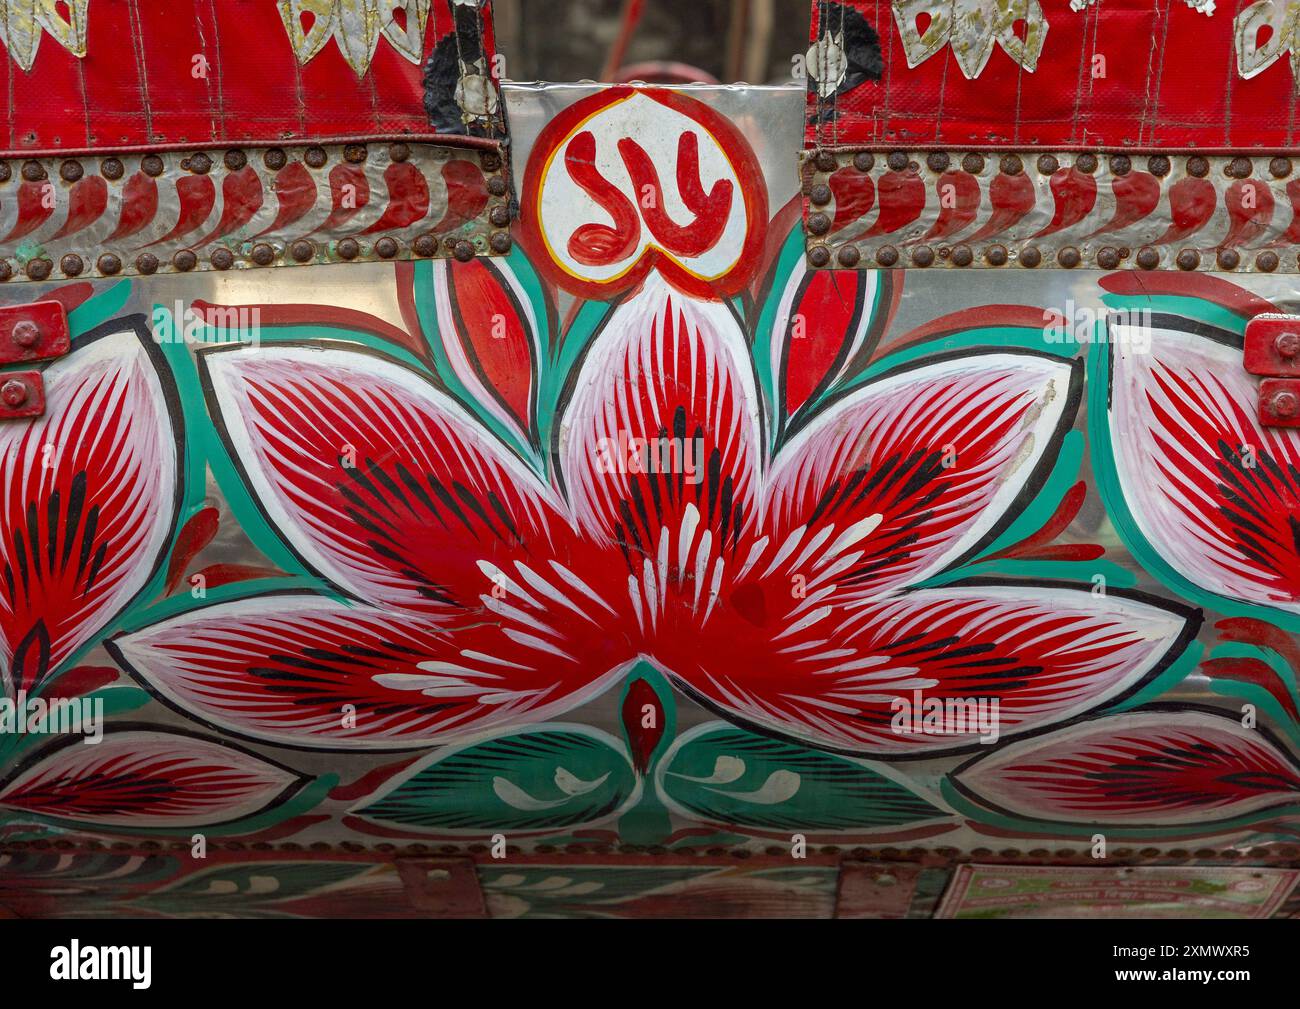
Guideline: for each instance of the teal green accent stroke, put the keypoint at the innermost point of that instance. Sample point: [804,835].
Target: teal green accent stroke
[1170,304]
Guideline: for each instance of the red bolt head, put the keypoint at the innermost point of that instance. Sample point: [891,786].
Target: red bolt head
[1284,404]
[1287,344]
[14,393]
[26,333]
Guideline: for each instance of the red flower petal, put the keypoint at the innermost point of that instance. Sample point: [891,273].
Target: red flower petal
[1148,767]
[89,502]
[196,534]
[139,779]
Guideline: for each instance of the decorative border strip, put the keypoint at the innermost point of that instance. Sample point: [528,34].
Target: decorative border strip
[1088,211]
[183,211]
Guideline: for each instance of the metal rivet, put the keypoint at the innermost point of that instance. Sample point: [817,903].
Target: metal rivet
[71,265]
[962,256]
[1158,166]
[1228,259]
[819,223]
[864,161]
[937,162]
[1068,257]
[819,255]
[825,161]
[400,152]
[386,248]
[464,251]
[848,256]
[223,259]
[897,161]
[14,393]
[1197,166]
[39,269]
[109,265]
[489,160]
[235,160]
[112,168]
[425,245]
[1148,258]
[499,242]
[1048,164]
[1108,258]
[1287,344]
[1188,259]
[1121,164]
[71,171]
[348,249]
[33,171]
[1031,257]
[497,186]
[1011,165]
[1283,403]
[820,194]
[972,163]
[151,164]
[499,216]
[6,271]
[316,157]
[354,154]
[302,251]
[146,263]
[1266,262]
[275,159]
[1239,168]
[199,164]
[1086,163]
[1280,168]
[263,254]
[185,260]
[6,173]
[922,255]
[886,255]
[996,255]
[25,334]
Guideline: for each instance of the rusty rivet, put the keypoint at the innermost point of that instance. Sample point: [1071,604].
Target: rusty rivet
[109,265]
[1159,166]
[425,245]
[1280,168]
[464,251]
[864,161]
[14,393]
[6,271]
[1121,164]
[151,164]
[354,154]
[6,173]
[1287,344]
[386,248]
[1228,259]
[973,163]
[1068,257]
[71,265]
[499,216]
[819,223]
[825,161]
[1266,262]
[112,169]
[1031,257]
[499,243]
[185,260]
[1048,164]
[996,255]
[316,157]
[820,194]
[497,186]
[400,152]
[897,161]
[1148,258]
[937,162]
[818,255]
[235,160]
[1283,403]
[1108,258]
[1239,168]
[1011,165]
[886,255]
[1197,166]
[1086,163]
[199,164]
[71,171]
[33,171]
[848,256]
[39,269]
[25,334]
[922,255]
[962,256]
[1188,259]
[348,249]
[263,254]
[302,251]
[489,161]
[275,159]
[223,259]
[146,263]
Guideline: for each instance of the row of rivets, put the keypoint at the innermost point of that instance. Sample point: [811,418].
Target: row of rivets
[1158,165]
[1108,258]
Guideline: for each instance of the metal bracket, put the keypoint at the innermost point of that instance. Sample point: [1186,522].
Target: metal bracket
[1272,349]
[29,333]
